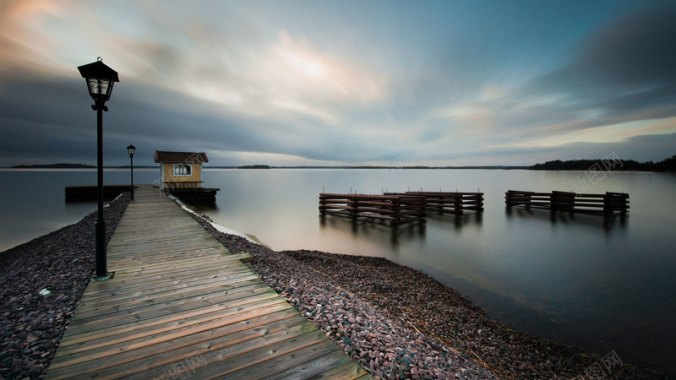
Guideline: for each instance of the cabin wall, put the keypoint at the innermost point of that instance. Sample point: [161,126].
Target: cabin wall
[168,173]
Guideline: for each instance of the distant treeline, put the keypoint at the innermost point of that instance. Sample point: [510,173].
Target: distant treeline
[667,165]
[254,167]
[389,167]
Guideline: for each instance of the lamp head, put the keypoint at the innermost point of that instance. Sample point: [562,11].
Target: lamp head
[100,79]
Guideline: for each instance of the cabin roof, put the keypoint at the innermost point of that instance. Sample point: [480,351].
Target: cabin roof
[187,157]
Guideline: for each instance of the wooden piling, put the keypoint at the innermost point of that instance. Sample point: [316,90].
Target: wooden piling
[608,203]
[449,202]
[396,209]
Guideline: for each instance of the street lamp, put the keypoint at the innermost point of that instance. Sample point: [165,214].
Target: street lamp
[132,149]
[100,79]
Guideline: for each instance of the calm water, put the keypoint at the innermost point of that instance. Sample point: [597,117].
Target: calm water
[33,201]
[601,284]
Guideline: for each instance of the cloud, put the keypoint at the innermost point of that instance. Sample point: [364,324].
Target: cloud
[17,43]
[188,81]
[299,78]
[261,86]
[635,52]
[61,126]
[626,67]
[619,83]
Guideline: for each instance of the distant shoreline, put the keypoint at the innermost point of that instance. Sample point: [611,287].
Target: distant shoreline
[608,163]
[49,167]
[258,167]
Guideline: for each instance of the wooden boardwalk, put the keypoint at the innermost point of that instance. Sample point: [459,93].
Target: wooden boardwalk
[182,306]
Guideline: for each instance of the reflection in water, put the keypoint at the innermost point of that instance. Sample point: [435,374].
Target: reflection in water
[378,230]
[375,230]
[556,275]
[474,219]
[609,223]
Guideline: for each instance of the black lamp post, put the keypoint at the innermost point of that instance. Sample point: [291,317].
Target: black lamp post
[132,149]
[100,79]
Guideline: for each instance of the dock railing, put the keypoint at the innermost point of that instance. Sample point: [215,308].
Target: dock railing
[449,202]
[173,185]
[608,203]
[396,209]
[191,191]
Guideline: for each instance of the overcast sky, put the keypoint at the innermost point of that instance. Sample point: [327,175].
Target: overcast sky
[341,82]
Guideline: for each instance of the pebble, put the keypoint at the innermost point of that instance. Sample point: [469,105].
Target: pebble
[42,281]
[367,305]
[374,303]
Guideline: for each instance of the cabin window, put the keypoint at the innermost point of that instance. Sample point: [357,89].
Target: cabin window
[182,170]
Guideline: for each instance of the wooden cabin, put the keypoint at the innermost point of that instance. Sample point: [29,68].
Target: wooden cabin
[180,170]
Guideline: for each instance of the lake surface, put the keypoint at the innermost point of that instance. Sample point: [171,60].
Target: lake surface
[598,283]
[33,200]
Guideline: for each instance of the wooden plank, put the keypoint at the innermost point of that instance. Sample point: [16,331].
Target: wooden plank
[78,353]
[130,281]
[213,281]
[175,306]
[180,301]
[568,201]
[224,257]
[147,269]
[292,358]
[167,296]
[173,329]
[146,355]
[137,257]
[223,358]
[238,357]
[313,367]
[349,371]
[154,293]
[249,289]
[176,263]
[158,325]
[127,323]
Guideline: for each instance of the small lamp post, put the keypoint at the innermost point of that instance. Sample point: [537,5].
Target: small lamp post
[100,79]
[132,149]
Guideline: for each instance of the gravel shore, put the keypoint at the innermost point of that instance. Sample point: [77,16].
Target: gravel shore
[401,323]
[398,322]
[31,324]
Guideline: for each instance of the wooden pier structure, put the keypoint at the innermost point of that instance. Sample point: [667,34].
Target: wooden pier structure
[608,203]
[449,202]
[397,209]
[90,193]
[191,192]
[180,305]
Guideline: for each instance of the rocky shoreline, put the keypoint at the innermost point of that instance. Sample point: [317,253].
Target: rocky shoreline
[401,323]
[32,324]
[397,322]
